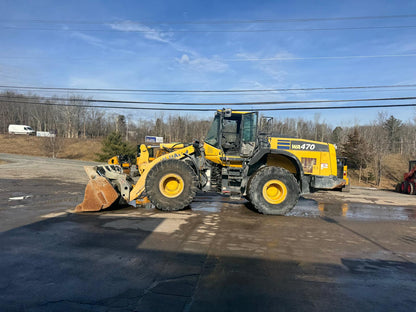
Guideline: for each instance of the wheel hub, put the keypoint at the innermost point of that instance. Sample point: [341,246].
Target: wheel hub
[171,185]
[274,191]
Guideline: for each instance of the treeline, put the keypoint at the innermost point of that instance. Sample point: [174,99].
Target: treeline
[74,118]
[366,147]
[73,121]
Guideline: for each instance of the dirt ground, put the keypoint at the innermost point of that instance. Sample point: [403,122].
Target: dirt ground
[80,149]
[335,251]
[393,166]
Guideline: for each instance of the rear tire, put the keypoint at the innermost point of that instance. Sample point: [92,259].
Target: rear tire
[171,185]
[273,190]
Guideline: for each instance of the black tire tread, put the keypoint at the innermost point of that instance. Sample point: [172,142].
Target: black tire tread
[404,187]
[152,185]
[398,187]
[256,197]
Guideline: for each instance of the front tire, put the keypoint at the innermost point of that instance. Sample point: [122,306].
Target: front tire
[171,185]
[273,190]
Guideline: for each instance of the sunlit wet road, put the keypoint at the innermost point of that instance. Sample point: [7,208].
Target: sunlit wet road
[336,251]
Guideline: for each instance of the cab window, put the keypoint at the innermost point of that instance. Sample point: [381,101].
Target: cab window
[249,128]
[212,136]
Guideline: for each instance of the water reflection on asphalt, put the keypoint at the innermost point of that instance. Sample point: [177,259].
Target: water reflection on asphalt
[312,208]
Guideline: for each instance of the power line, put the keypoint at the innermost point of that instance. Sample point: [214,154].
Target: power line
[214,109]
[212,30]
[254,93]
[208,91]
[250,21]
[216,104]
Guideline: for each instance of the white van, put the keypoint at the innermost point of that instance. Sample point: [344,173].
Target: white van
[21,129]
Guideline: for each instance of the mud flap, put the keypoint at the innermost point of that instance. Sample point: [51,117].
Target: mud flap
[99,194]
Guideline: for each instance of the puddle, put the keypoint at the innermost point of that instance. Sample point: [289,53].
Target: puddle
[382,266]
[206,206]
[311,208]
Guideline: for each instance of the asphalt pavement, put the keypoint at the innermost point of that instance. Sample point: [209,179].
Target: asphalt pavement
[334,252]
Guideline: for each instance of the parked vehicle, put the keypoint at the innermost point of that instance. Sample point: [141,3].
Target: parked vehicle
[48,134]
[408,186]
[236,159]
[21,129]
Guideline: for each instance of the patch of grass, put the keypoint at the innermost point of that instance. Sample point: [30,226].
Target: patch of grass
[393,168]
[81,149]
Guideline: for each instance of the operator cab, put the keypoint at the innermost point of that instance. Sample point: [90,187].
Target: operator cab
[234,133]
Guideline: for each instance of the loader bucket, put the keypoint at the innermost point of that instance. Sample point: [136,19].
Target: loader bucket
[99,194]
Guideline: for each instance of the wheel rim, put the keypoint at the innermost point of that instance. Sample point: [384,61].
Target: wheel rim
[171,185]
[274,192]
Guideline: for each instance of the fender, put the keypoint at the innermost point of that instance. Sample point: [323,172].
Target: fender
[265,151]
[255,163]
[138,189]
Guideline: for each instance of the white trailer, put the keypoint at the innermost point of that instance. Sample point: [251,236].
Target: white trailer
[48,134]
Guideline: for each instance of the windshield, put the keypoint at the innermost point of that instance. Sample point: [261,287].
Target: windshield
[212,135]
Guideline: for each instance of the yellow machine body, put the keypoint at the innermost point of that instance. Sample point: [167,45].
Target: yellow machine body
[148,153]
[236,159]
[177,154]
[124,164]
[314,162]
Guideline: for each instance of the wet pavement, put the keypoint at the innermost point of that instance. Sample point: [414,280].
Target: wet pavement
[331,253]
[353,211]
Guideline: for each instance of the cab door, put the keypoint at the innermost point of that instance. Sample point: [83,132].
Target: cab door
[231,135]
[248,134]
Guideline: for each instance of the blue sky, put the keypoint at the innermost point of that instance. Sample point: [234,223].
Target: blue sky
[163,45]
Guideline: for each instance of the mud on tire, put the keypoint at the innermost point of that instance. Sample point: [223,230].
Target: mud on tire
[178,170]
[285,194]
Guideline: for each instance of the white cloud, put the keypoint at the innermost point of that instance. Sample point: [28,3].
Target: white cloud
[89,39]
[271,68]
[184,59]
[152,34]
[258,56]
[149,33]
[203,64]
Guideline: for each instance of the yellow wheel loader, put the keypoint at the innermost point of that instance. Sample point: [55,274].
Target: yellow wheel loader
[123,161]
[145,154]
[236,159]
[148,153]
